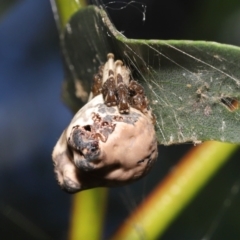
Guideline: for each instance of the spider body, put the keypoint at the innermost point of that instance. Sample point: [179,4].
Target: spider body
[111,141]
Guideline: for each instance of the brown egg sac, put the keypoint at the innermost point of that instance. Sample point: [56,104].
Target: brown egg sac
[103,148]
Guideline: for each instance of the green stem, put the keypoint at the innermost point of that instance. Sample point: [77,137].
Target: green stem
[64,9]
[154,215]
[87,216]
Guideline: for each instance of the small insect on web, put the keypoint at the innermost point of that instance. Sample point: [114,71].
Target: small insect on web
[111,141]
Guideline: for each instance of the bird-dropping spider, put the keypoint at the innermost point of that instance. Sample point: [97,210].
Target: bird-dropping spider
[91,152]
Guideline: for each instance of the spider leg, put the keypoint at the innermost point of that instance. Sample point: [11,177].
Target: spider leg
[138,98]
[139,102]
[109,92]
[123,96]
[97,85]
[135,87]
[97,82]
[109,86]
[122,90]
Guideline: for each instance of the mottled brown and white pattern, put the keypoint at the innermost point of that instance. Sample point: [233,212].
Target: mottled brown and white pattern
[111,141]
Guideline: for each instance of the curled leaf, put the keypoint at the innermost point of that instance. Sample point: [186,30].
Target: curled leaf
[193,86]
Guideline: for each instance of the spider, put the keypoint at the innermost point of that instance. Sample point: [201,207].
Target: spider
[91,152]
[118,89]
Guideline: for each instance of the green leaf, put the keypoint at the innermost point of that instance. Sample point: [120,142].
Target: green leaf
[193,86]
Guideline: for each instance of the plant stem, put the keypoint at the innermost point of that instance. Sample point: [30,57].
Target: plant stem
[88,210]
[64,9]
[154,215]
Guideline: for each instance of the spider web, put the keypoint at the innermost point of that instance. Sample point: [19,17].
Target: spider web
[200,104]
[205,81]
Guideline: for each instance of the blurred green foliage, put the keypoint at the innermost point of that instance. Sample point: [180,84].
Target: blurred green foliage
[5,5]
